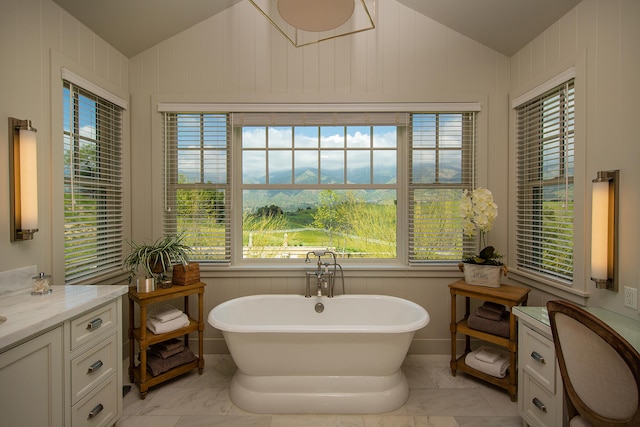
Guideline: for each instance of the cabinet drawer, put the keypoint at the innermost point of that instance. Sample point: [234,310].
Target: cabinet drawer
[93,367]
[96,322]
[99,408]
[538,355]
[539,404]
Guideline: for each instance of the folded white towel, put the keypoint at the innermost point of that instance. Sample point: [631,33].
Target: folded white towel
[497,369]
[158,327]
[165,313]
[487,354]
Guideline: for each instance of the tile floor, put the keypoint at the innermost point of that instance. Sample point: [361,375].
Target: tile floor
[436,400]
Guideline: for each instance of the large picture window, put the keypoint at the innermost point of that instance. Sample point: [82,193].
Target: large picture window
[272,186]
[93,187]
[319,181]
[545,173]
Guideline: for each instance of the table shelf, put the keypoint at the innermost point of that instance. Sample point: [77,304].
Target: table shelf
[145,338]
[506,295]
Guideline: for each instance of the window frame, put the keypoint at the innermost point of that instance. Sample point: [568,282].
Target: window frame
[110,184]
[402,259]
[171,173]
[238,195]
[542,272]
[468,149]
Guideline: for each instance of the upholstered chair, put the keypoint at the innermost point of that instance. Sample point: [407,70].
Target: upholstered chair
[600,369]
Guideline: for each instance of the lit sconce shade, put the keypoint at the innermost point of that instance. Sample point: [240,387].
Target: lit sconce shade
[305,22]
[604,230]
[23,177]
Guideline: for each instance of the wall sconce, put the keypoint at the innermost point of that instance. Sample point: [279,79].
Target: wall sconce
[604,230]
[23,180]
[305,22]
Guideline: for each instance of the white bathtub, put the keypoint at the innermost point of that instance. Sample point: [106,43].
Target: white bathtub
[292,359]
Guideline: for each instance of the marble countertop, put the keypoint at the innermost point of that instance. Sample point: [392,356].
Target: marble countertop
[28,315]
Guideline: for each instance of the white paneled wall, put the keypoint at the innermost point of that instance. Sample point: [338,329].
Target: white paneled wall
[237,56]
[32,32]
[600,39]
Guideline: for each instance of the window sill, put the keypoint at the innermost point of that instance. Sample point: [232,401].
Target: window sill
[547,286]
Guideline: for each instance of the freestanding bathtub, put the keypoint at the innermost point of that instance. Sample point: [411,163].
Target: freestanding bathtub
[318,354]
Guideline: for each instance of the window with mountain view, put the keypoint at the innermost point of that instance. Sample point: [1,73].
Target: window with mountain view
[384,185]
[319,187]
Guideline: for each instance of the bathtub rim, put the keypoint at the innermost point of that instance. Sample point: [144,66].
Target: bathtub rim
[410,327]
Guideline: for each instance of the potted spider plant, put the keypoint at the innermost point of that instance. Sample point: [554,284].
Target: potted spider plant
[157,258]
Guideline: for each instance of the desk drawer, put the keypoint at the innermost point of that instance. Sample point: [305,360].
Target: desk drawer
[99,408]
[92,367]
[96,322]
[538,355]
[539,404]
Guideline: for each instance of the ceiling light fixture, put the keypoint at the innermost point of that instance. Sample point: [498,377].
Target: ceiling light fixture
[305,22]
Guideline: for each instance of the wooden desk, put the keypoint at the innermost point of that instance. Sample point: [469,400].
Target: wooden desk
[145,338]
[507,295]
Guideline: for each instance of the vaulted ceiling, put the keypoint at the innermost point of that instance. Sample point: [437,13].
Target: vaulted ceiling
[132,26]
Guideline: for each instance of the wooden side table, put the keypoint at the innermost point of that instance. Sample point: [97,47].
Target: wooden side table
[145,338]
[507,295]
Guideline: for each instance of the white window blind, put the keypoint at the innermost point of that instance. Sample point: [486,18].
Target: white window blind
[197,183]
[93,188]
[441,167]
[545,173]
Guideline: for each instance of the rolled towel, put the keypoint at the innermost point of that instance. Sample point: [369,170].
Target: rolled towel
[497,369]
[158,327]
[500,328]
[157,365]
[165,313]
[489,314]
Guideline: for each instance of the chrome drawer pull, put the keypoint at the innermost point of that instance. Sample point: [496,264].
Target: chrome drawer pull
[95,411]
[94,324]
[538,357]
[538,404]
[95,366]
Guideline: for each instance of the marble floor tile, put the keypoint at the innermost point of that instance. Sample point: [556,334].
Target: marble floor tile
[437,399]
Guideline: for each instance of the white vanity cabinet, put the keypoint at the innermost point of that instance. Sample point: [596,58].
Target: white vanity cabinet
[93,367]
[539,381]
[31,382]
[61,357]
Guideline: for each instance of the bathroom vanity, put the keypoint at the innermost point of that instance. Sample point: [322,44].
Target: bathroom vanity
[61,356]
[539,380]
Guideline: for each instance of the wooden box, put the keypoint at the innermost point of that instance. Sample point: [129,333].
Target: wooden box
[186,276]
[482,275]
